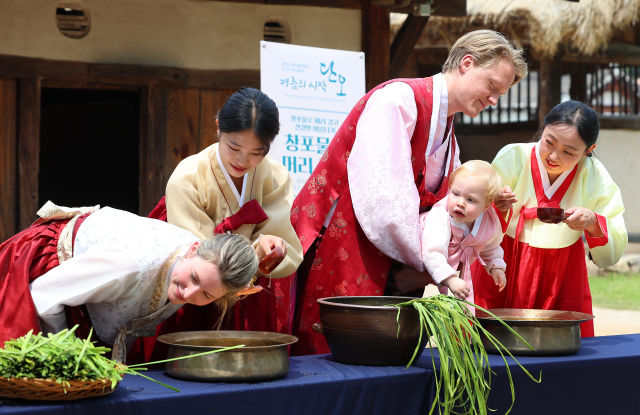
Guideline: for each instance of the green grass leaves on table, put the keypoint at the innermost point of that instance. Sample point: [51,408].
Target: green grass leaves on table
[65,357]
[60,356]
[463,380]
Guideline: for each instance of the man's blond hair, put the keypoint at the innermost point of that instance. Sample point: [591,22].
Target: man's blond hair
[482,171]
[486,47]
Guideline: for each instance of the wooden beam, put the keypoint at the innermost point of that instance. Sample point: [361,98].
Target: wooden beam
[443,8]
[404,42]
[8,148]
[82,73]
[28,150]
[616,53]
[625,122]
[336,4]
[375,43]
[550,82]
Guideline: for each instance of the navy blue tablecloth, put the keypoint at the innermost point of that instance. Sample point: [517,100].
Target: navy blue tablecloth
[602,378]
[314,385]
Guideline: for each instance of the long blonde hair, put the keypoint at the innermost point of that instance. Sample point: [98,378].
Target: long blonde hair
[237,263]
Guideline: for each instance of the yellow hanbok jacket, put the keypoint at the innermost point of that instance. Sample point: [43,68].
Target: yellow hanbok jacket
[197,201]
[592,188]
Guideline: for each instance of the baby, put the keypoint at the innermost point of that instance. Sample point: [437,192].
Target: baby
[461,228]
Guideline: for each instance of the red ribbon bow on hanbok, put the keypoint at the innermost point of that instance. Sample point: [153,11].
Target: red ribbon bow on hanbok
[250,213]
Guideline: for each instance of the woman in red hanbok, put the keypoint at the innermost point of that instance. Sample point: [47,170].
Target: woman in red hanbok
[546,266]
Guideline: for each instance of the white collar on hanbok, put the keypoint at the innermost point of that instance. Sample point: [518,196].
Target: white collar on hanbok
[438,114]
[465,228]
[239,197]
[549,190]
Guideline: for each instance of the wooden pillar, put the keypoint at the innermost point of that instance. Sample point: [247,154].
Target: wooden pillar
[28,150]
[8,159]
[578,89]
[210,103]
[375,43]
[550,82]
[404,42]
[169,130]
[152,147]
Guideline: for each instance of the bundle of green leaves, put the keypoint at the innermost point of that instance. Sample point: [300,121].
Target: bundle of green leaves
[60,356]
[64,357]
[463,378]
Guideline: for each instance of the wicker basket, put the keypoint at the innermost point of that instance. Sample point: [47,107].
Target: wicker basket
[50,390]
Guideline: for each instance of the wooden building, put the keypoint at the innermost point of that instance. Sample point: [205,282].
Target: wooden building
[587,50]
[99,101]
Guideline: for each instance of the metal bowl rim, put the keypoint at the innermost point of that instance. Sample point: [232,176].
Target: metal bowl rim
[582,317]
[168,340]
[325,301]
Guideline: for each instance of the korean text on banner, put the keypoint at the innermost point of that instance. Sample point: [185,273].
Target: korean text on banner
[314,90]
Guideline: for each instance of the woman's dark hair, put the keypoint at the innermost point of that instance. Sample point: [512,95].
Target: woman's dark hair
[250,109]
[574,114]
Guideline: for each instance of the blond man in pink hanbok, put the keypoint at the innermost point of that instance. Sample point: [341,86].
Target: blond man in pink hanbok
[357,217]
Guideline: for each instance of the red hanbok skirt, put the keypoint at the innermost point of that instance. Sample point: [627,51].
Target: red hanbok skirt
[23,258]
[538,278]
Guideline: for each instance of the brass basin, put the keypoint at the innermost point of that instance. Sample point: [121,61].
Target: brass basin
[264,356]
[549,332]
[364,331]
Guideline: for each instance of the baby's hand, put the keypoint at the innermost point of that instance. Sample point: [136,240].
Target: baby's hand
[499,278]
[458,287]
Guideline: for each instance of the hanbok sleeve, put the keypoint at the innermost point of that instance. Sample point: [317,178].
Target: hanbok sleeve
[608,207]
[384,196]
[99,275]
[435,245]
[493,254]
[185,210]
[277,205]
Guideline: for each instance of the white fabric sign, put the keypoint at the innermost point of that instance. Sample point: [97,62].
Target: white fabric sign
[314,89]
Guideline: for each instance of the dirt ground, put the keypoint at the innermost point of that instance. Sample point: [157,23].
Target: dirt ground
[607,322]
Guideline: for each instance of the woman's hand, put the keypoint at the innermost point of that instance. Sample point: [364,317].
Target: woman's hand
[581,219]
[505,199]
[268,242]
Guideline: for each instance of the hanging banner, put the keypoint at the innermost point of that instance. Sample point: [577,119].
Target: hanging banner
[314,90]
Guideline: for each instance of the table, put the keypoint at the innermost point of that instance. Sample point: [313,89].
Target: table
[602,378]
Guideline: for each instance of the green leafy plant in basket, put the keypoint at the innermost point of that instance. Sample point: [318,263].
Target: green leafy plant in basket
[63,357]
[464,378]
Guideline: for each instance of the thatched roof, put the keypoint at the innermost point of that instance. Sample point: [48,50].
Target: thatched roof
[543,25]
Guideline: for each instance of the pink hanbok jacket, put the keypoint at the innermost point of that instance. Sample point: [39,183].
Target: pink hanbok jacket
[448,244]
